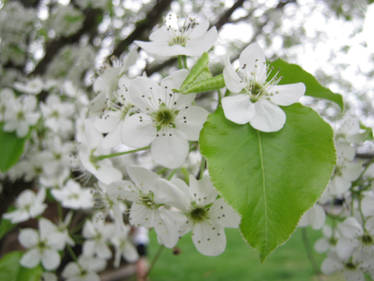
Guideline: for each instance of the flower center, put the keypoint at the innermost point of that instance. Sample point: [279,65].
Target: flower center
[367,239]
[164,117]
[199,214]
[178,40]
[147,200]
[350,266]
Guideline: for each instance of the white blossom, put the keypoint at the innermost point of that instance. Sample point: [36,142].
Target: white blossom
[256,101]
[190,38]
[28,205]
[167,120]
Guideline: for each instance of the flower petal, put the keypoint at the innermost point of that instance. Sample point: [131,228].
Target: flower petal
[238,108]
[287,94]
[143,178]
[51,259]
[224,214]
[209,239]
[268,117]
[28,237]
[232,80]
[138,130]
[190,121]
[31,258]
[169,150]
[195,47]
[252,58]
[174,80]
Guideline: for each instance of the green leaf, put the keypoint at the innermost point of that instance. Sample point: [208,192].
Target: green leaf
[195,71]
[5,227]
[11,149]
[367,132]
[271,179]
[292,73]
[209,84]
[11,270]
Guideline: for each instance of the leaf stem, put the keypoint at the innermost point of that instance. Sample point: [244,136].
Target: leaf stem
[155,259]
[309,253]
[116,154]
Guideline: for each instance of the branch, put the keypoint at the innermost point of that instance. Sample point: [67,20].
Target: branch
[90,24]
[152,18]
[224,18]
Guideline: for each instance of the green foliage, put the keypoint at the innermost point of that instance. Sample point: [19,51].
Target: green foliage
[199,79]
[271,179]
[5,227]
[11,270]
[292,73]
[11,149]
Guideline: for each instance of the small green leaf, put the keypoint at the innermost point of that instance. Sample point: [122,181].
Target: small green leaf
[367,133]
[209,84]
[292,73]
[195,71]
[11,149]
[5,227]
[11,270]
[271,179]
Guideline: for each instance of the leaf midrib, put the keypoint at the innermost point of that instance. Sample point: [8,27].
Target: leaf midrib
[266,230]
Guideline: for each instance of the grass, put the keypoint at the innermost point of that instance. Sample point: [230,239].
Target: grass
[239,262]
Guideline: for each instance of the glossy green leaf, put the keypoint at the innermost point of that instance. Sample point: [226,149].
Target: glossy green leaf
[195,71]
[11,149]
[11,270]
[292,73]
[271,179]
[205,85]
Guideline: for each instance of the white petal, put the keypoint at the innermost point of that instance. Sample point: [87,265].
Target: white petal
[238,108]
[224,214]
[108,121]
[354,275]
[113,138]
[322,245]
[138,130]
[268,117]
[174,80]
[232,80]
[161,49]
[351,228]
[71,270]
[202,191]
[166,192]
[141,215]
[51,259]
[28,237]
[169,150]
[209,239]
[89,248]
[190,121]
[287,94]
[331,265]
[130,253]
[345,248]
[195,47]
[253,58]
[31,258]
[143,178]
[200,28]
[143,93]
[167,231]
[160,34]
[107,173]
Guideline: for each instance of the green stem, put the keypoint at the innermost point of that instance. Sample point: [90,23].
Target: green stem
[71,252]
[111,155]
[309,252]
[180,62]
[155,259]
[172,173]
[202,168]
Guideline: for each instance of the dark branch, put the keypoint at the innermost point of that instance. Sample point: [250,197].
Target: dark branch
[224,18]
[90,24]
[151,19]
